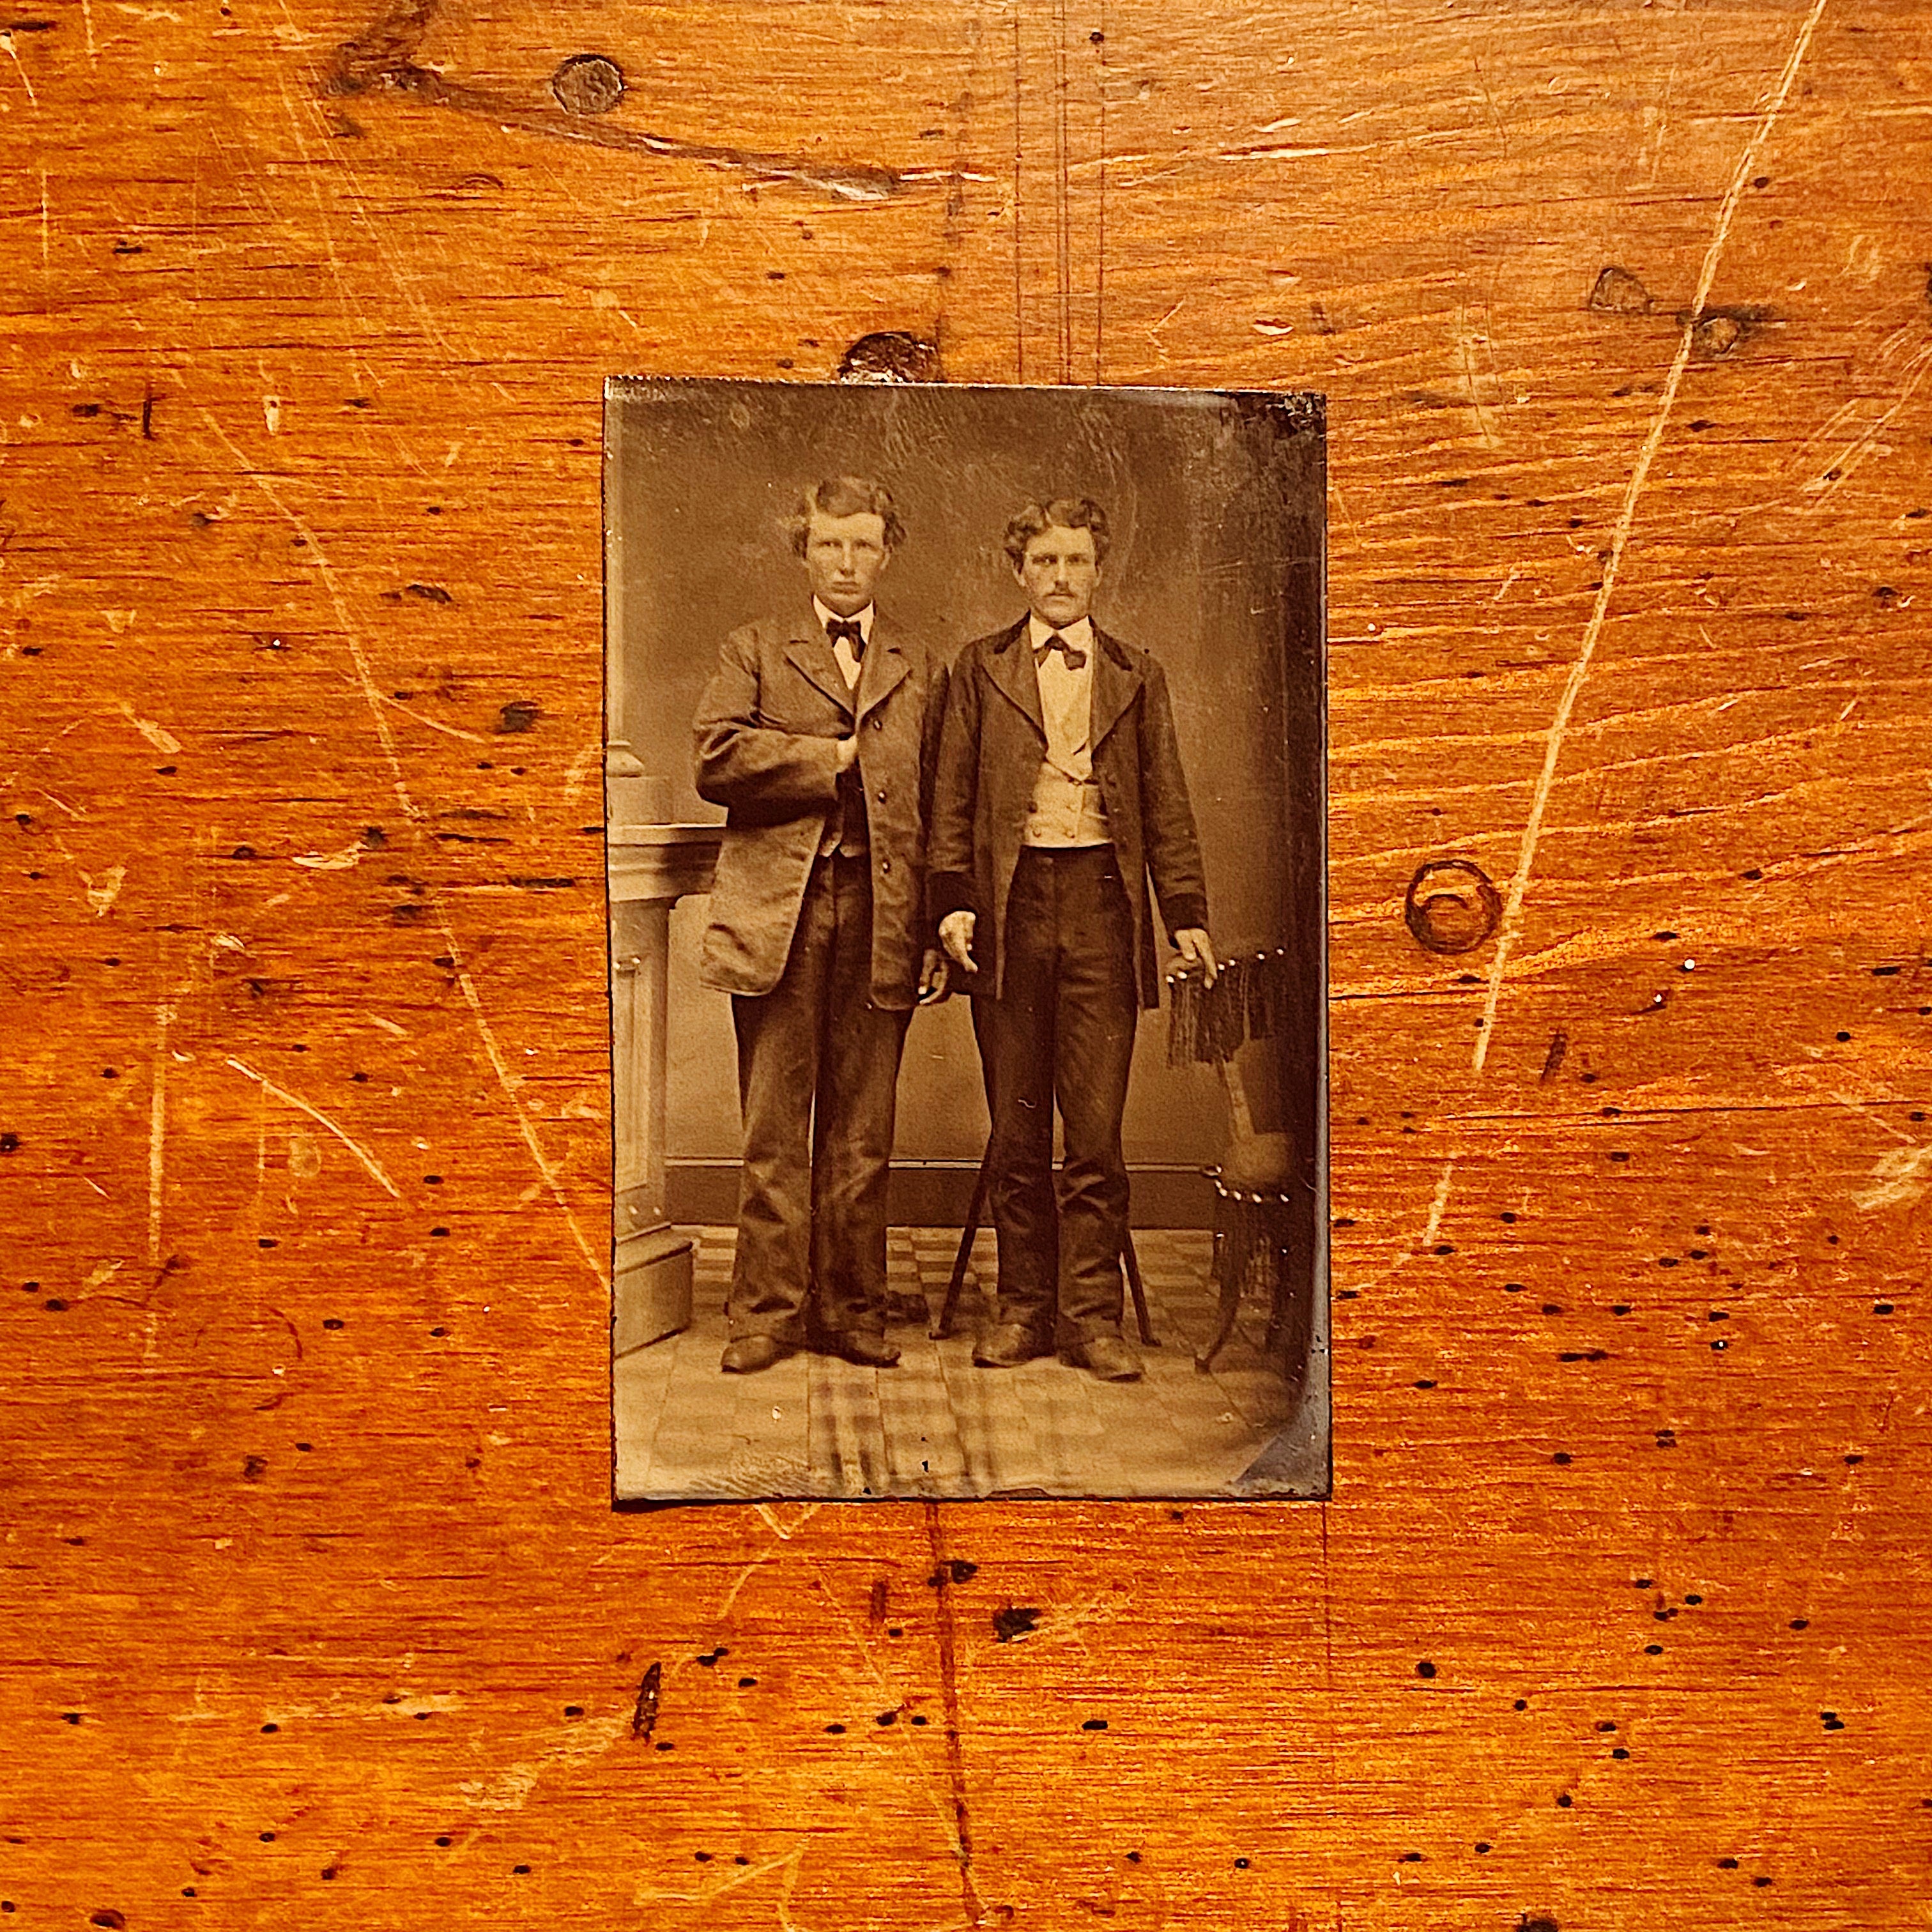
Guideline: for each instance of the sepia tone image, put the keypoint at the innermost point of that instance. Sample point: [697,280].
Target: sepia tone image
[965,799]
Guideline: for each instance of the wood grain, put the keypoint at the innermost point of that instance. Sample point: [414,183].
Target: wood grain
[316,1609]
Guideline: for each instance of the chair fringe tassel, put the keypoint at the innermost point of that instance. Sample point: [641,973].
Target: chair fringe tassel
[1249,999]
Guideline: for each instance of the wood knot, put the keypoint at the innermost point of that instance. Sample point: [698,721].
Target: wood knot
[588,84]
[1715,332]
[1715,335]
[1617,291]
[1451,906]
[892,355]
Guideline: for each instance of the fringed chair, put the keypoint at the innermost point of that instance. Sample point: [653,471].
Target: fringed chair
[1254,1185]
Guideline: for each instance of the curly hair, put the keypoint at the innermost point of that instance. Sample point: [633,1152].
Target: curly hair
[844,497]
[1062,513]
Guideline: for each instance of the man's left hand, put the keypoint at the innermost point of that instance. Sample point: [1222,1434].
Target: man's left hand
[1192,945]
[935,977]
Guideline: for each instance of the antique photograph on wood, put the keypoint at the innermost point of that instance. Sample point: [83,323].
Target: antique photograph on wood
[965,795]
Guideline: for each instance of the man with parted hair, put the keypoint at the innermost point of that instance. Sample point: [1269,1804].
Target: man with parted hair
[1060,791]
[818,733]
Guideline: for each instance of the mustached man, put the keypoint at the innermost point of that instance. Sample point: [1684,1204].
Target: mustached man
[1060,794]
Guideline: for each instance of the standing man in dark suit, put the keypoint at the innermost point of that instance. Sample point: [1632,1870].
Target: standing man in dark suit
[1059,790]
[817,732]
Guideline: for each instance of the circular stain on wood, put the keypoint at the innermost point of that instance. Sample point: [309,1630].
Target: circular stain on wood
[589,84]
[1451,906]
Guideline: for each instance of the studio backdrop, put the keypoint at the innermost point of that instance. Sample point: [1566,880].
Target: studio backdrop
[1215,567]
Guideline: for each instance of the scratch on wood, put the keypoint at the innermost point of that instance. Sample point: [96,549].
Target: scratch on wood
[949,1691]
[780,1532]
[33,99]
[716,1888]
[362,1153]
[101,897]
[1902,1175]
[434,723]
[1098,39]
[1063,188]
[510,1788]
[383,55]
[743,1577]
[947,1810]
[1486,422]
[157,735]
[1640,474]
[157,1127]
[783,1531]
[1438,1204]
[413,816]
[1019,299]
[1840,465]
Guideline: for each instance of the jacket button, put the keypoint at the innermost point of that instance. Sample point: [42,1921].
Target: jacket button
[882,795]
[878,724]
[885,865]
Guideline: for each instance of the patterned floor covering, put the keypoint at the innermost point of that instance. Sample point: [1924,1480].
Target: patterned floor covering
[936,1426]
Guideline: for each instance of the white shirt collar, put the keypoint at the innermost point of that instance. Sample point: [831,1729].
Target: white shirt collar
[826,616]
[1080,635]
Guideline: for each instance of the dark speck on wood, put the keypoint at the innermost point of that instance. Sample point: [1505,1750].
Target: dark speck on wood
[644,1717]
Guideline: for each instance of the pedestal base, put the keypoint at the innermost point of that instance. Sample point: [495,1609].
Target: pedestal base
[653,1297]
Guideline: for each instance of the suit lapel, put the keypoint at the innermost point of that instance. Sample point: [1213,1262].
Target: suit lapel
[808,648]
[1010,667]
[883,669]
[1116,681]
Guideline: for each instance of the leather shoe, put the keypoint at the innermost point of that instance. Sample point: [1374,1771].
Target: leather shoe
[1006,1345]
[857,1345]
[747,1353]
[1107,1358]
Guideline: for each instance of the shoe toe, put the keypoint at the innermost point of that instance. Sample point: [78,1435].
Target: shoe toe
[1110,1359]
[1006,1345]
[864,1350]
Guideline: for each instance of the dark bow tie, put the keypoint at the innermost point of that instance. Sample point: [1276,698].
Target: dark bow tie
[1076,658]
[852,631]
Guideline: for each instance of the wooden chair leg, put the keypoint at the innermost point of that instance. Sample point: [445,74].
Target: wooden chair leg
[1133,1261]
[1228,1271]
[942,1327]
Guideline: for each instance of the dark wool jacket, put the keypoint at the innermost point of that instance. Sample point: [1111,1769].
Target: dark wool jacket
[767,730]
[990,750]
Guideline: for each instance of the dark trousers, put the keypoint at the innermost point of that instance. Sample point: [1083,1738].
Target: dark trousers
[1062,1031]
[818,1068]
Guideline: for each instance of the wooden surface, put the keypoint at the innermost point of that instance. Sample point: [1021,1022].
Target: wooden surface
[315,1609]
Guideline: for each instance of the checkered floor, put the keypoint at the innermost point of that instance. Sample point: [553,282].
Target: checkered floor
[936,1426]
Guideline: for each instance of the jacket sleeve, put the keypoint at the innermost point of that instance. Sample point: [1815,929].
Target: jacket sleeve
[760,775]
[931,727]
[1167,818]
[949,838]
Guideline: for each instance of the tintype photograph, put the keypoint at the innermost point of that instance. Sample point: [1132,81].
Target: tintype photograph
[965,757]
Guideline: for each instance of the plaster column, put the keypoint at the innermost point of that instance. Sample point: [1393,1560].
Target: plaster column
[651,867]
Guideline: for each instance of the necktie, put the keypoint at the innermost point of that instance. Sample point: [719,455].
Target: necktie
[850,630]
[1076,658]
